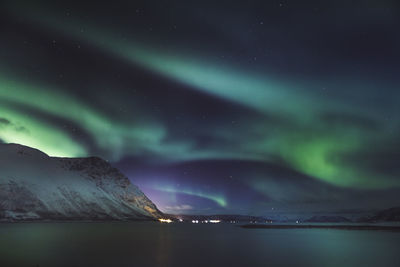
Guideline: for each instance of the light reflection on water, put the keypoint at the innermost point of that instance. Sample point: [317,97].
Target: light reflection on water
[155,244]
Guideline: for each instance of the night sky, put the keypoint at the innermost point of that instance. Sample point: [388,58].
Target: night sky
[213,106]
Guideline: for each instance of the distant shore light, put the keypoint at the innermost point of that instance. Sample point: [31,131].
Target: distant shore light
[165,220]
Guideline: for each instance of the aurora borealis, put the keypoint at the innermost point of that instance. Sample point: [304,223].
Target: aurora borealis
[213,107]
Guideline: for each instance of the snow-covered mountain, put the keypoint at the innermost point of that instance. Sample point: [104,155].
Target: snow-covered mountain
[34,186]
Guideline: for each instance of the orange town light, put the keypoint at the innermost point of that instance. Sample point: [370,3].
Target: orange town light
[165,220]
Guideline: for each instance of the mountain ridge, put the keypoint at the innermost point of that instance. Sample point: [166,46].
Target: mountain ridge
[35,186]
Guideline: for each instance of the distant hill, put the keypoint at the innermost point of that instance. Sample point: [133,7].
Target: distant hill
[388,215]
[328,219]
[221,217]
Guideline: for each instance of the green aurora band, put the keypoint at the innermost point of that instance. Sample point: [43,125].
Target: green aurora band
[220,200]
[310,145]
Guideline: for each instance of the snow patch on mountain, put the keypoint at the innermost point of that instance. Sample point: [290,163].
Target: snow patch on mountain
[34,186]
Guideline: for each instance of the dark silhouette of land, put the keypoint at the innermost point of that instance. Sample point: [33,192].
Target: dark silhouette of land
[311,226]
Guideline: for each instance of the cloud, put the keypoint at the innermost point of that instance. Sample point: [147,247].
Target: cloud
[4,121]
[36,133]
[8,123]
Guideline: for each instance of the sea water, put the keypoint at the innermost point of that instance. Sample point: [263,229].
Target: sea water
[186,244]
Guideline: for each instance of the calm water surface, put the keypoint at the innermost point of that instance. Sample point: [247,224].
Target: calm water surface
[155,244]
